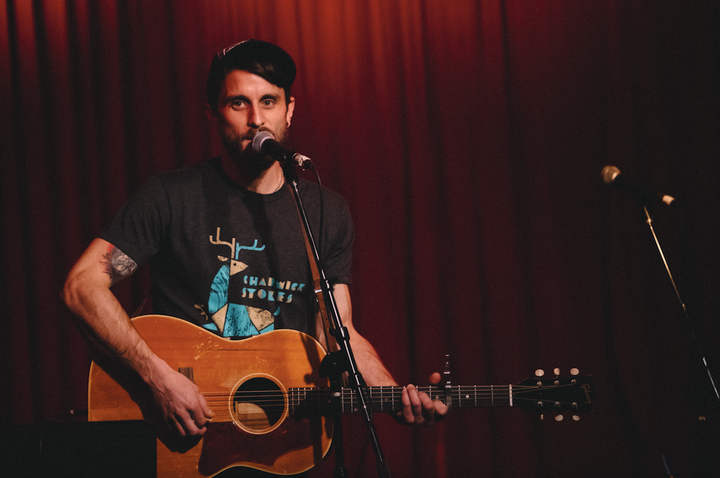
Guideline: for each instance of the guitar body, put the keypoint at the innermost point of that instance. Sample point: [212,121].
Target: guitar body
[258,388]
[235,377]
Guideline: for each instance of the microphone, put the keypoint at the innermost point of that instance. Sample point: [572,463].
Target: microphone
[612,177]
[265,143]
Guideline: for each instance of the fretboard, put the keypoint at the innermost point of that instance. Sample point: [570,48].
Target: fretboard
[389,399]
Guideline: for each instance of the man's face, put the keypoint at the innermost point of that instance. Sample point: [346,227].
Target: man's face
[247,104]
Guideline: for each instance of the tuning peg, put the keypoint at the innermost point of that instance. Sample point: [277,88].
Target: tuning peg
[574,371]
[559,418]
[556,371]
[539,372]
[576,418]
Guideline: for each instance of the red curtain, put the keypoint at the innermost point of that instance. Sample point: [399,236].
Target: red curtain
[468,137]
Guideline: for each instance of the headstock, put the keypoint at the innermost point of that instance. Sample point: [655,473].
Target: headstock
[555,394]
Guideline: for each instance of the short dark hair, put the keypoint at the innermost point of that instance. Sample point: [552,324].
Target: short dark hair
[261,58]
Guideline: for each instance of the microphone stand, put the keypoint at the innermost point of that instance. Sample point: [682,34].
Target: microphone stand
[696,342]
[344,359]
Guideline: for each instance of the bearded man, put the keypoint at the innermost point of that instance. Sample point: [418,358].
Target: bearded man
[225,247]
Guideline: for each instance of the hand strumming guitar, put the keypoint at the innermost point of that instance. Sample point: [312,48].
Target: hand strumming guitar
[182,408]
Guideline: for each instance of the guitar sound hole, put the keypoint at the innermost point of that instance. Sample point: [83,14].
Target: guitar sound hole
[258,404]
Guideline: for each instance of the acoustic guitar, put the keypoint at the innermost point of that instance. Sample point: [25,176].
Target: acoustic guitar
[272,408]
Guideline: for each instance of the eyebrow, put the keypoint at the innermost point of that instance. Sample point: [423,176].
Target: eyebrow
[268,96]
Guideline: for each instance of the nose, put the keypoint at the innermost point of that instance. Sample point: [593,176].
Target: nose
[256,118]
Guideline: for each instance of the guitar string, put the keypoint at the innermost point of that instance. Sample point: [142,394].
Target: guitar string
[389,394]
[398,390]
[377,393]
[224,412]
[392,391]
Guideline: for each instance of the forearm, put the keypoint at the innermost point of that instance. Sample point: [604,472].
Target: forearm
[105,323]
[99,314]
[366,357]
[87,294]
[369,364]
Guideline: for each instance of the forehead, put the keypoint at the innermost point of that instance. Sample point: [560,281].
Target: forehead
[244,83]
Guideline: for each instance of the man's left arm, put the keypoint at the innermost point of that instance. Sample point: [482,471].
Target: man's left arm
[418,407]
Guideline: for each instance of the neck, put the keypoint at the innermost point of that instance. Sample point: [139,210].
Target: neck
[266,182]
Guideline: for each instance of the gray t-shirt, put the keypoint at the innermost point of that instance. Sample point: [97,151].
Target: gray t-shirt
[226,258]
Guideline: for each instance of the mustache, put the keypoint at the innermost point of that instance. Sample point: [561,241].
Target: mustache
[250,135]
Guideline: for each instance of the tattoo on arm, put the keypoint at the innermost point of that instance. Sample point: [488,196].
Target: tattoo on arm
[118,265]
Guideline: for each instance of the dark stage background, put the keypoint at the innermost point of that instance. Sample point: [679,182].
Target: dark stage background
[468,137]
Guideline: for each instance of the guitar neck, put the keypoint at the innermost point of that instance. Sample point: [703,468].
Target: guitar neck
[389,399]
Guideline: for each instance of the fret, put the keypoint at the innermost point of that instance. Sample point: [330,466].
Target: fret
[293,399]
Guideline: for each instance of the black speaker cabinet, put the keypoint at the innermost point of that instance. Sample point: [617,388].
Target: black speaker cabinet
[79,450]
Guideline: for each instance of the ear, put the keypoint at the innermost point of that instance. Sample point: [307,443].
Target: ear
[211,114]
[290,111]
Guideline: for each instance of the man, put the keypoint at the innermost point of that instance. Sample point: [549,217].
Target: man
[225,246]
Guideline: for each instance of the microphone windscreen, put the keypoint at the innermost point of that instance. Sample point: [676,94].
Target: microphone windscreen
[259,139]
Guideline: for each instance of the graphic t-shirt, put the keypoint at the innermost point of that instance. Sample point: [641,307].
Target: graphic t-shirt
[226,258]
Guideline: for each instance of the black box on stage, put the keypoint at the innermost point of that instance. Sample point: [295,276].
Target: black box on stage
[79,450]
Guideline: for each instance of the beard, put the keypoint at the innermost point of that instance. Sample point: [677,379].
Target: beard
[247,159]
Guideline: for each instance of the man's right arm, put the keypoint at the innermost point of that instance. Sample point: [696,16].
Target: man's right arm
[100,316]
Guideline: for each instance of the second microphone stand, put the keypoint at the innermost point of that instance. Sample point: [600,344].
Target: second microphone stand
[688,322]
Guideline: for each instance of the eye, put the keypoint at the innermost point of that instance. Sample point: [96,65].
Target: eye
[238,104]
[267,103]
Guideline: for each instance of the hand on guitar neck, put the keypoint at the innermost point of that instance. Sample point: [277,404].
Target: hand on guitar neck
[418,408]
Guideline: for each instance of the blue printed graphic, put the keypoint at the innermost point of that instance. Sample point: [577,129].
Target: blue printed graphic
[237,320]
